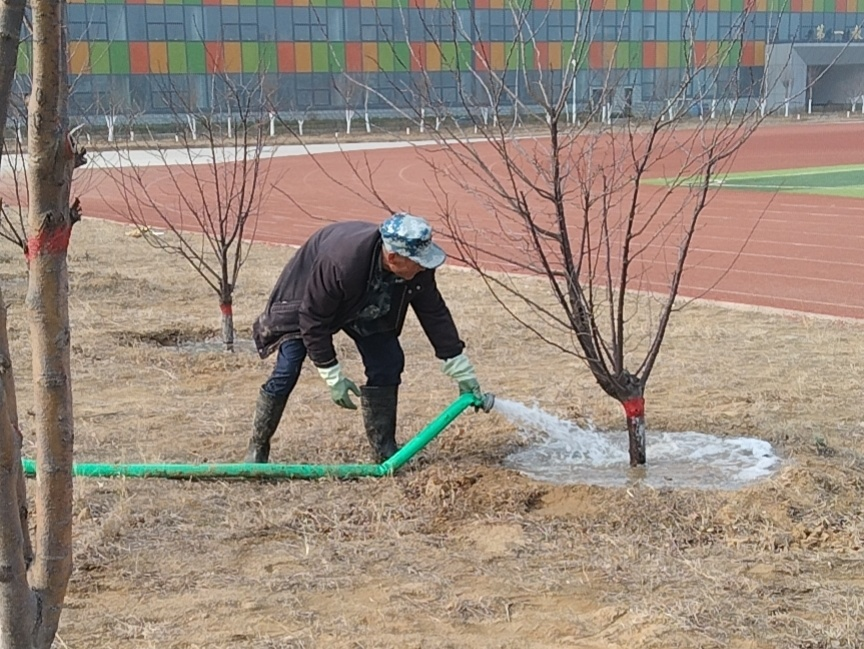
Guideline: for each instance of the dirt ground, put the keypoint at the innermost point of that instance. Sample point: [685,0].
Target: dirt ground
[456,550]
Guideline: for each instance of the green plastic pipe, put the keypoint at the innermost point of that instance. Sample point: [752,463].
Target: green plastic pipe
[290,471]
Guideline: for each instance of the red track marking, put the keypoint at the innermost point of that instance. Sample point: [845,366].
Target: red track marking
[804,253]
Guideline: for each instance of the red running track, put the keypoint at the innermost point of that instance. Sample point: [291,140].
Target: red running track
[803,253]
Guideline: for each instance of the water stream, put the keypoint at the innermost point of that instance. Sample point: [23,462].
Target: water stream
[562,452]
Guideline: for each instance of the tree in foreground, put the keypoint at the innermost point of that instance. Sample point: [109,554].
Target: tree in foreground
[215,182]
[34,581]
[572,180]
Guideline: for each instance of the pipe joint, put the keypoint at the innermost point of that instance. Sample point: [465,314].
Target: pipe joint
[485,403]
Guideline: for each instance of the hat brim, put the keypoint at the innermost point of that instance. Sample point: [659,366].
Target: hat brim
[431,257]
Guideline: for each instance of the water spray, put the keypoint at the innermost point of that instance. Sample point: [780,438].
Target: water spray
[563,452]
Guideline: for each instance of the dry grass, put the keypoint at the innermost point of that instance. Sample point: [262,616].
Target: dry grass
[456,551]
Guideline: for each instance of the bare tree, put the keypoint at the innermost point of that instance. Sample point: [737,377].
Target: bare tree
[575,203]
[296,113]
[349,93]
[112,105]
[215,187]
[855,89]
[786,82]
[31,603]
[15,543]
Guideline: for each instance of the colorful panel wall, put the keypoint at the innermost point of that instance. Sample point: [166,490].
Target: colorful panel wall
[305,44]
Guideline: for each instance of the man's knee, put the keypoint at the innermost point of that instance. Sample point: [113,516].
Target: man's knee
[278,387]
[386,369]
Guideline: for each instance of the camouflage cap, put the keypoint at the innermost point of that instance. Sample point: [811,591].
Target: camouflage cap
[411,236]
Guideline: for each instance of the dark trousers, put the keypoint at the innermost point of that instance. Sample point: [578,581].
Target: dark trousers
[382,355]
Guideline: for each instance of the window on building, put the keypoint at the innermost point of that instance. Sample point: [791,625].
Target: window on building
[139,92]
[212,22]
[416,24]
[725,24]
[97,16]
[313,90]
[624,24]
[249,24]
[175,28]
[661,20]
[482,25]
[501,25]
[667,83]
[750,80]
[794,27]
[230,23]
[461,19]
[335,31]
[76,19]
[194,17]
[608,26]
[266,19]
[199,91]
[116,19]
[368,25]
[318,28]
[615,26]
[155,19]
[676,27]
[726,85]
[649,26]
[87,22]
[284,18]
[352,24]
[170,94]
[446,27]
[555,24]
[302,24]
[81,95]
[400,27]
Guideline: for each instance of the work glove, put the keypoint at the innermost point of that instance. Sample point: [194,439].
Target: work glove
[460,369]
[340,386]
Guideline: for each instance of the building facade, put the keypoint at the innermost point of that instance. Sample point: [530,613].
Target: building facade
[141,53]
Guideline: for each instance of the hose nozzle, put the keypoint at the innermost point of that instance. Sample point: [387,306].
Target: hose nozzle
[486,402]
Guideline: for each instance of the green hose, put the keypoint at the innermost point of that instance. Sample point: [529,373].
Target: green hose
[290,471]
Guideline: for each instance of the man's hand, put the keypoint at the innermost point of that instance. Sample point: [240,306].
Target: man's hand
[460,369]
[340,386]
[471,386]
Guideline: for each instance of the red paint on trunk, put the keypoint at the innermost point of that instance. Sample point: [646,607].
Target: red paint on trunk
[634,407]
[48,242]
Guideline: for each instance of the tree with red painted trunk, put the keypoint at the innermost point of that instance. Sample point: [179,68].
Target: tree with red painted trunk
[35,578]
[206,209]
[604,205]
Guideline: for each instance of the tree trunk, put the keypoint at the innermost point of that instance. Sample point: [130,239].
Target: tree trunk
[52,157]
[635,410]
[11,17]
[10,406]
[17,603]
[227,324]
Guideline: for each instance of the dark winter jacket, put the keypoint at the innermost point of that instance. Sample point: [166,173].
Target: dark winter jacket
[335,281]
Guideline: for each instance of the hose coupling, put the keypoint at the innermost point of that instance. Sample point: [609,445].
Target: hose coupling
[486,402]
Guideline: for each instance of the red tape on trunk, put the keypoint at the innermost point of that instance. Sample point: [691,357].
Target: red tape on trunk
[634,407]
[48,242]
[226,309]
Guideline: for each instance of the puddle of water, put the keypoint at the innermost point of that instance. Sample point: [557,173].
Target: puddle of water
[562,452]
